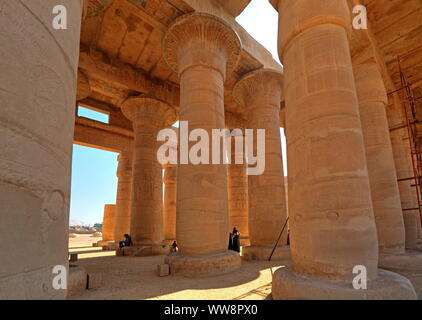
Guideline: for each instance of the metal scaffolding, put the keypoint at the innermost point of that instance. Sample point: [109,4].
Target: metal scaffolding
[407,96]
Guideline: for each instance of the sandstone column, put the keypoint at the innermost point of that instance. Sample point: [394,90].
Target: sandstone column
[38,68]
[170,195]
[331,218]
[403,165]
[372,98]
[200,48]
[237,180]
[260,93]
[170,191]
[124,190]
[149,116]
[109,222]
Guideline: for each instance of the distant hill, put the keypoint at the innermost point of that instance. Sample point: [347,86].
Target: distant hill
[75,223]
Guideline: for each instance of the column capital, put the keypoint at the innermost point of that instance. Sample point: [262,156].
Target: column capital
[297,16]
[201,39]
[370,86]
[148,110]
[258,85]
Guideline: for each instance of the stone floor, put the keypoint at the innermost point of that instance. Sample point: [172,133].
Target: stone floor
[135,278]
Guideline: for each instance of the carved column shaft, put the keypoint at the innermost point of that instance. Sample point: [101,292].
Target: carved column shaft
[170,195]
[109,220]
[37,96]
[237,179]
[385,194]
[238,194]
[331,217]
[200,48]
[403,165]
[123,197]
[260,93]
[149,116]
[333,231]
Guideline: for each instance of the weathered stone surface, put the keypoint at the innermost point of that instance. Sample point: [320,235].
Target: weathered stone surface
[336,143]
[170,201]
[163,270]
[95,280]
[149,116]
[288,285]
[203,266]
[109,220]
[38,68]
[77,281]
[123,198]
[237,180]
[329,193]
[202,48]
[142,251]
[260,94]
[408,264]
[263,253]
[372,98]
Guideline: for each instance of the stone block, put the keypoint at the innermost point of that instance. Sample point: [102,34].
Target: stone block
[95,280]
[77,281]
[73,257]
[203,266]
[163,270]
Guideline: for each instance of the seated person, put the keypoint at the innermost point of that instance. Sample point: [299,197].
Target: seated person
[127,242]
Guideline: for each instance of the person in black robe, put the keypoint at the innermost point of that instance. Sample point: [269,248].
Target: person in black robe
[127,242]
[174,248]
[234,240]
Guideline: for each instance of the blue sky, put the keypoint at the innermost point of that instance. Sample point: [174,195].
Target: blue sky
[94,181]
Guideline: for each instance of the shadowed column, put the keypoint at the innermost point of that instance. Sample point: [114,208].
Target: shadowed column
[403,165]
[237,179]
[372,98]
[170,189]
[260,93]
[200,48]
[170,195]
[389,220]
[238,196]
[149,116]
[331,217]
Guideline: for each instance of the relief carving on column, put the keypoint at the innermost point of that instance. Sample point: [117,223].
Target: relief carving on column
[198,35]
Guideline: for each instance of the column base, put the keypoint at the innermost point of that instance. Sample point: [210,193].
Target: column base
[169,241]
[103,243]
[408,264]
[203,266]
[112,246]
[143,251]
[245,241]
[77,281]
[263,253]
[288,285]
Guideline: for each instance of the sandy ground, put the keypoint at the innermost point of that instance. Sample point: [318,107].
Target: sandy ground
[135,278]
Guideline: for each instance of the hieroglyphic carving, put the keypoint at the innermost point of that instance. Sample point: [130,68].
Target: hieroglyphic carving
[93,62]
[94,7]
